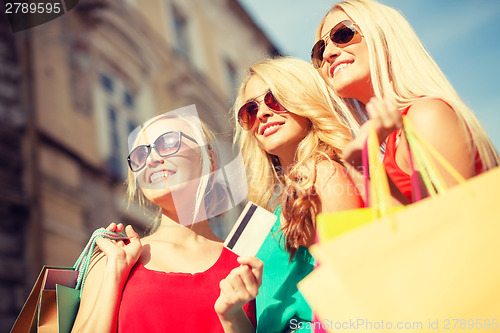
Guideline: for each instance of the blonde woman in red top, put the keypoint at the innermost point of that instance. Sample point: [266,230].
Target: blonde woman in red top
[368,53]
[179,278]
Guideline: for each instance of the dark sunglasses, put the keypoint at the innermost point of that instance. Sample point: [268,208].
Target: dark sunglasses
[165,145]
[341,35]
[248,112]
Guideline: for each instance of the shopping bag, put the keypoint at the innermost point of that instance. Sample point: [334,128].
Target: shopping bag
[436,270]
[68,303]
[48,316]
[26,320]
[331,225]
[53,302]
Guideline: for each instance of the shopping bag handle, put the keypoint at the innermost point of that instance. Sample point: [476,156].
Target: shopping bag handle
[378,194]
[420,152]
[416,190]
[366,172]
[83,262]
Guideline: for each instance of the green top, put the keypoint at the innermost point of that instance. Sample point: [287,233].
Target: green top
[280,306]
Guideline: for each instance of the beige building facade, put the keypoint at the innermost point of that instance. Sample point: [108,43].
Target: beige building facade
[88,79]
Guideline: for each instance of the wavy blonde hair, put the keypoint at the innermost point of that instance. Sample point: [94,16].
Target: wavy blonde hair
[402,69]
[300,89]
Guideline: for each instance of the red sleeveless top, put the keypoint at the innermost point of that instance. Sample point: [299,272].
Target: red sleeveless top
[154,301]
[400,178]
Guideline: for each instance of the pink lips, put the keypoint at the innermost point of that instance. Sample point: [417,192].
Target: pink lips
[266,126]
[336,64]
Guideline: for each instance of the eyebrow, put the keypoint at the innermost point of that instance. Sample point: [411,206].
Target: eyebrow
[254,99]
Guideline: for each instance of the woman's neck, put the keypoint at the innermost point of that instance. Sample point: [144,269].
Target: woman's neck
[365,96]
[172,231]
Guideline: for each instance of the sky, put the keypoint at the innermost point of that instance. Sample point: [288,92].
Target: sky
[462,36]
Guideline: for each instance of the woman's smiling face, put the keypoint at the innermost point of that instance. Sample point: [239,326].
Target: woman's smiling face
[276,133]
[346,69]
[162,175]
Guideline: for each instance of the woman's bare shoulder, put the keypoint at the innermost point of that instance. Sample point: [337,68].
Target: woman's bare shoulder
[429,114]
[335,187]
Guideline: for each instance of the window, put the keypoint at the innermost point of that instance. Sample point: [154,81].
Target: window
[128,100]
[115,158]
[181,32]
[107,83]
[117,119]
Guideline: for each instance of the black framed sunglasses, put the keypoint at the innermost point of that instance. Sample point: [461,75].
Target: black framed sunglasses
[341,34]
[248,112]
[165,145]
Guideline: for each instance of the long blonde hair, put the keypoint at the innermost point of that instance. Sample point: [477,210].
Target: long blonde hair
[300,89]
[402,69]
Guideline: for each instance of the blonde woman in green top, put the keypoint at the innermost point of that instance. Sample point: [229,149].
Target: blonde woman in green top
[291,131]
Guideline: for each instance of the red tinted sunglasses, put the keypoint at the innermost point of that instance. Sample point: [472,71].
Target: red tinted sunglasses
[248,112]
[341,35]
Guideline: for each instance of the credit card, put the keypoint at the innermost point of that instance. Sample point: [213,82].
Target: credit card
[250,230]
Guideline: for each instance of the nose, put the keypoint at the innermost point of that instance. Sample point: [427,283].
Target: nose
[153,158]
[331,52]
[264,111]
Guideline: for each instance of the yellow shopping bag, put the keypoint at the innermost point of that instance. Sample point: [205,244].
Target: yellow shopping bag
[436,271]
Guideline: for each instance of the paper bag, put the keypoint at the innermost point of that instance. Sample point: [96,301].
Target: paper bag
[440,264]
[53,303]
[39,313]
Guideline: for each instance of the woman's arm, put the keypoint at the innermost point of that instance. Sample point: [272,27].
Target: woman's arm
[105,281]
[434,120]
[438,124]
[238,288]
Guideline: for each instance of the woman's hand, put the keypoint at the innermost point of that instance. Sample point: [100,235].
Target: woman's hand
[385,115]
[108,273]
[120,256]
[238,288]
[386,118]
